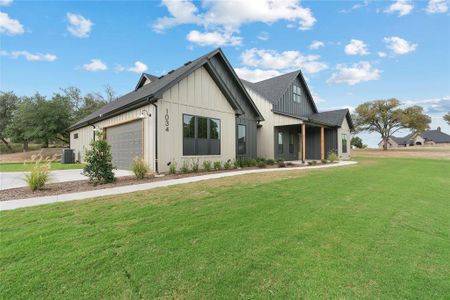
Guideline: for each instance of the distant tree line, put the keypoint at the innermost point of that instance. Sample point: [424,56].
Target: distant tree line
[38,119]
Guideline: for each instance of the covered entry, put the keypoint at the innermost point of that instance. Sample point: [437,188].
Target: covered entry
[126,142]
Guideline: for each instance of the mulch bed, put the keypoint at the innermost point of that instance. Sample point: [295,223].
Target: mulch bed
[84,185]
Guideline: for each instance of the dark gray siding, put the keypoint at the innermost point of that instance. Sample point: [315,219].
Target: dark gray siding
[330,141]
[249,118]
[287,131]
[287,105]
[312,143]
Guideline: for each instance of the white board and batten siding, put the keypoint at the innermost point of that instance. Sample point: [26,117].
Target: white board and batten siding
[198,95]
[344,129]
[265,134]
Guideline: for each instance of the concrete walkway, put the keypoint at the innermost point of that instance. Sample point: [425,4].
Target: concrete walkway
[10,180]
[14,204]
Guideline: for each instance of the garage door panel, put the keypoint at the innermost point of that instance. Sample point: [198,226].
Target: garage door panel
[126,143]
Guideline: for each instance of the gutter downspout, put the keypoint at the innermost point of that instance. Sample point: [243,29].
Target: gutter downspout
[156,136]
[93,131]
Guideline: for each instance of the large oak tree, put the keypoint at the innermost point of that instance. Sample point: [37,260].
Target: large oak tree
[447,118]
[386,117]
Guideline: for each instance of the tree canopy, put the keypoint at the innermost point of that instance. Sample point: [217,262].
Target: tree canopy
[386,117]
[447,118]
[357,142]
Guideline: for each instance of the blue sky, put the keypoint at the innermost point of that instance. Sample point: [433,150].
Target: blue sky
[350,52]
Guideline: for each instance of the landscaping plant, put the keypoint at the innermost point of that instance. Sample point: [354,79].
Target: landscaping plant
[185,167]
[207,165]
[227,165]
[195,165]
[324,161]
[140,168]
[98,157]
[270,162]
[281,163]
[173,167]
[39,174]
[217,165]
[332,156]
[262,164]
[236,164]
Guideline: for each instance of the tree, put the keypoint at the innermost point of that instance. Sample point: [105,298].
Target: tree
[98,158]
[447,118]
[21,128]
[8,105]
[357,142]
[386,117]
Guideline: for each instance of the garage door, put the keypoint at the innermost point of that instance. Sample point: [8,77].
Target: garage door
[126,143]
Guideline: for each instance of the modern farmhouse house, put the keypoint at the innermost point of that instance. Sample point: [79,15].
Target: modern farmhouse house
[203,111]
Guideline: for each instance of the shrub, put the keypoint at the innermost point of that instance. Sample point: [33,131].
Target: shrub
[324,161]
[39,174]
[312,163]
[281,163]
[236,164]
[140,168]
[173,167]
[185,167]
[207,165]
[217,165]
[195,165]
[270,162]
[98,157]
[251,162]
[227,165]
[332,156]
[262,164]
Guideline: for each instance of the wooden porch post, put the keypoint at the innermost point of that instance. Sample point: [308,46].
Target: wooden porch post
[303,142]
[322,143]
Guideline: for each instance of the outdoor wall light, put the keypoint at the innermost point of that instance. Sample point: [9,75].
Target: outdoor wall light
[142,116]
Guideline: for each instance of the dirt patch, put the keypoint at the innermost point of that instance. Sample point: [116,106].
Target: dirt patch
[442,152]
[26,156]
[85,185]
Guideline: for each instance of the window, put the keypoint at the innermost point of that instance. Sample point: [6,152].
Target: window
[201,135]
[75,136]
[280,142]
[291,142]
[344,143]
[297,93]
[242,139]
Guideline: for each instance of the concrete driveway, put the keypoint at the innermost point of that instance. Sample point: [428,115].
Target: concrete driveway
[10,180]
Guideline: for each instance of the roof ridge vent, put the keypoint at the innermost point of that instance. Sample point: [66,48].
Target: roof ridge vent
[171,71]
[188,63]
[160,76]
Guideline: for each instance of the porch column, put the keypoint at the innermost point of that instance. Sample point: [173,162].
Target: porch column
[303,142]
[322,143]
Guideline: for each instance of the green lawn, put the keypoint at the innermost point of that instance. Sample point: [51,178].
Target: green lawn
[18,167]
[380,229]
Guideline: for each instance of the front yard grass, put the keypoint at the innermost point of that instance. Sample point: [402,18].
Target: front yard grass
[23,167]
[380,229]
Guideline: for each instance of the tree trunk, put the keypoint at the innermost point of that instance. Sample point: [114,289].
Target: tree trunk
[7,144]
[45,144]
[385,143]
[25,146]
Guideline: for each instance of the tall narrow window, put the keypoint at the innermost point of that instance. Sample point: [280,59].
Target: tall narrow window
[242,139]
[297,91]
[344,143]
[201,135]
[291,142]
[280,142]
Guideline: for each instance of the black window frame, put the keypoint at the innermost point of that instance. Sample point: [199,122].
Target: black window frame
[201,146]
[75,136]
[241,145]
[296,93]
[344,142]
[280,146]
[291,145]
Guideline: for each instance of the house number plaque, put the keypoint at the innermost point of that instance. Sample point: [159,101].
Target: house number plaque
[166,117]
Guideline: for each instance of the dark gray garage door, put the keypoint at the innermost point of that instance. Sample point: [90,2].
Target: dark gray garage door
[126,143]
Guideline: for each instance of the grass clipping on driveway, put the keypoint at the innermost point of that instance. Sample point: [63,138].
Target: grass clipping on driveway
[378,230]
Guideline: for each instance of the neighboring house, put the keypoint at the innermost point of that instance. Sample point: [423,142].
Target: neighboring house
[293,129]
[202,111]
[426,138]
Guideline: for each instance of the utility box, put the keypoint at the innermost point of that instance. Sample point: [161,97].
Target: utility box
[68,156]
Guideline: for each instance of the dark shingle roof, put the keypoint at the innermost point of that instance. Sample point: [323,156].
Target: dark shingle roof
[148,91]
[436,136]
[333,117]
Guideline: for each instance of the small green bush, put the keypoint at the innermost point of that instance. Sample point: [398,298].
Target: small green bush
[98,157]
[312,163]
[252,162]
[332,156]
[173,167]
[270,162]
[227,165]
[281,163]
[140,168]
[217,165]
[185,167]
[324,161]
[195,165]
[236,164]
[262,164]
[39,175]
[207,165]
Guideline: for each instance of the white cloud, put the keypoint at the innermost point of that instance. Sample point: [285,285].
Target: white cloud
[29,56]
[228,16]
[437,7]
[316,45]
[256,75]
[263,36]
[356,47]
[139,67]
[5,2]
[95,65]
[354,74]
[402,7]
[437,106]
[79,26]
[355,7]
[382,54]
[286,60]
[214,38]
[399,45]
[10,26]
